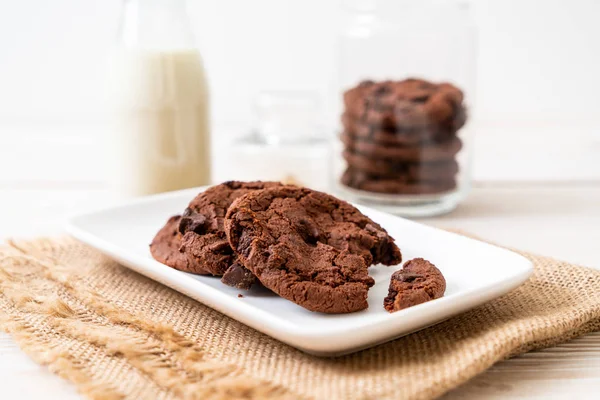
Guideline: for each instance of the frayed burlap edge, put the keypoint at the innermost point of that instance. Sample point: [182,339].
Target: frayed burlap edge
[31,310]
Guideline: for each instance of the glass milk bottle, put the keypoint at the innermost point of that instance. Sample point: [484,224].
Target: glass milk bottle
[159,139]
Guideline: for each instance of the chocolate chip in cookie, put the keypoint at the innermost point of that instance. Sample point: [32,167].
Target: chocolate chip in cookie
[239,277]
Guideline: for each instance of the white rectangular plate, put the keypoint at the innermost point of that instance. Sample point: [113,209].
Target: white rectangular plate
[475,272]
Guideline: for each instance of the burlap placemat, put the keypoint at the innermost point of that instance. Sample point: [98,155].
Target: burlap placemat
[117,334]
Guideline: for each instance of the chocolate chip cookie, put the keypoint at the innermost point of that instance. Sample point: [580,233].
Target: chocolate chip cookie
[402,171]
[395,185]
[309,247]
[395,136]
[417,282]
[439,151]
[406,104]
[200,245]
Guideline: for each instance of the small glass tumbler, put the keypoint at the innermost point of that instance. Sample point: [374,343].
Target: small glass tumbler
[287,143]
[406,76]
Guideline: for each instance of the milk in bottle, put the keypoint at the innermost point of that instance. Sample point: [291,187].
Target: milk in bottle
[158,94]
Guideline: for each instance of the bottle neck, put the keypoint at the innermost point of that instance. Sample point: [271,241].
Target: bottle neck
[155,24]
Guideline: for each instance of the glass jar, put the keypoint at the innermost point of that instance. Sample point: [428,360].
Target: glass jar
[406,76]
[159,101]
[287,143]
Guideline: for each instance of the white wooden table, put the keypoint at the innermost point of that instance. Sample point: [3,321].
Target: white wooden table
[558,220]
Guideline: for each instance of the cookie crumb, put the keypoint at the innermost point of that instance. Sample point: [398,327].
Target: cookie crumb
[291,180]
[240,295]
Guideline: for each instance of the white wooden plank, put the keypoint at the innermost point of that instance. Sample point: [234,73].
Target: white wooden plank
[549,373]
[21,378]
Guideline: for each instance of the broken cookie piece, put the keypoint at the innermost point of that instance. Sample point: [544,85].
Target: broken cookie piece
[417,282]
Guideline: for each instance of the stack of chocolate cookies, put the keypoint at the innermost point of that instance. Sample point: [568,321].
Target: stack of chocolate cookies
[400,137]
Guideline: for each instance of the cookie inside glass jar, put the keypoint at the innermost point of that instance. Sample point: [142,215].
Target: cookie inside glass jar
[401,137]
